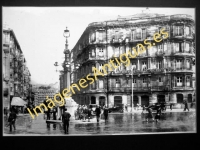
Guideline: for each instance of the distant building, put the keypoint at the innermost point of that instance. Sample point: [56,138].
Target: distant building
[162,73]
[41,94]
[16,75]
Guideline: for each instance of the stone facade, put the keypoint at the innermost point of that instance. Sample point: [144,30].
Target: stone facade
[161,73]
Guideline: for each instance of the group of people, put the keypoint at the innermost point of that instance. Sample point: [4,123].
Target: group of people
[51,111]
[84,112]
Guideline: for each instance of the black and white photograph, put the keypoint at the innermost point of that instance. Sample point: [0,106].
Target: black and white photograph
[85,71]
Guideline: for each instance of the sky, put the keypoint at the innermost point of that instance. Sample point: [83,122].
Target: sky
[39,31]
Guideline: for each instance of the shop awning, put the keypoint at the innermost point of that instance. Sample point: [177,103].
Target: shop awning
[17,101]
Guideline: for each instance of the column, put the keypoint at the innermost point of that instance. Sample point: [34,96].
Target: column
[174,61]
[139,100]
[164,63]
[97,100]
[149,63]
[138,64]
[173,98]
[111,100]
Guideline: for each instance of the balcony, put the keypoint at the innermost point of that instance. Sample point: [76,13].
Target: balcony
[160,53]
[116,89]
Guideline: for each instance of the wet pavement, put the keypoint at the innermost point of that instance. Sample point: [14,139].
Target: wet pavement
[119,123]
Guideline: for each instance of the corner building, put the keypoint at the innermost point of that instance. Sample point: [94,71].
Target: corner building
[163,72]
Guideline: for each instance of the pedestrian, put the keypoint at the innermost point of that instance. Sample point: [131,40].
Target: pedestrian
[6,111]
[138,106]
[143,109]
[89,113]
[126,107]
[105,112]
[65,119]
[171,104]
[54,113]
[149,115]
[85,112]
[186,106]
[12,118]
[98,112]
[158,114]
[48,114]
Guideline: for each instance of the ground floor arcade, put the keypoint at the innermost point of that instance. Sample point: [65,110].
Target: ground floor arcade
[113,99]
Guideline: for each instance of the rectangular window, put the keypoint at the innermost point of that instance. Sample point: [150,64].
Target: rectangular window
[100,68]
[133,34]
[92,37]
[138,34]
[178,64]
[144,34]
[160,48]
[133,66]
[93,53]
[187,47]
[187,31]
[187,81]
[160,79]
[144,66]
[134,80]
[101,52]
[188,64]
[117,83]
[93,86]
[100,84]
[158,65]
[144,80]
[179,81]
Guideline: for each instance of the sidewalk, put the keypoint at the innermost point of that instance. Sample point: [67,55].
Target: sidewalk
[167,111]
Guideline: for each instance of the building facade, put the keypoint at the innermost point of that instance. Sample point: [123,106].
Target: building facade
[162,73]
[16,75]
[41,94]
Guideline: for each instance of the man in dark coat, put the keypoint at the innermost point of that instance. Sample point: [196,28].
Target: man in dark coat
[98,112]
[186,106]
[48,113]
[54,113]
[105,112]
[12,118]
[65,119]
